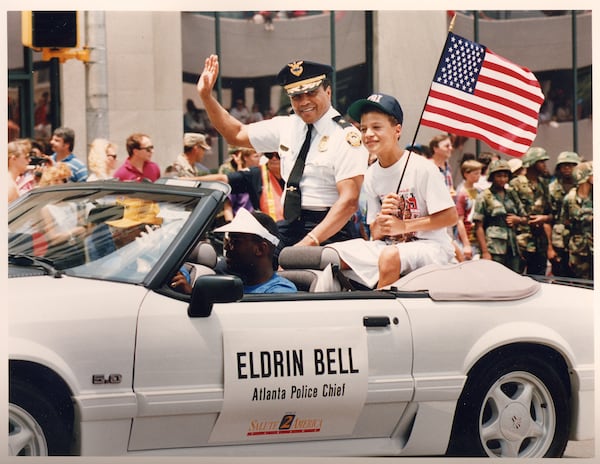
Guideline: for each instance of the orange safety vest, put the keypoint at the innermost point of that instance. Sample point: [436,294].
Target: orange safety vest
[270,197]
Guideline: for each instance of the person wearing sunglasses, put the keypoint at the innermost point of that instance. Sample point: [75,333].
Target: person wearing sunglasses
[249,243]
[102,159]
[138,166]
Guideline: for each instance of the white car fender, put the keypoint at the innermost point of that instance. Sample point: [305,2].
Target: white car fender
[22,349]
[516,332]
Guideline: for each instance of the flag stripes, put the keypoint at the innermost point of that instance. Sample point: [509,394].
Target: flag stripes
[479,94]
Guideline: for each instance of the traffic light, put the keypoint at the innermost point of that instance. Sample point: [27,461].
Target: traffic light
[49,29]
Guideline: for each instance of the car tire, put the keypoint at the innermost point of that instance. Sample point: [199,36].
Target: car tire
[513,406]
[35,427]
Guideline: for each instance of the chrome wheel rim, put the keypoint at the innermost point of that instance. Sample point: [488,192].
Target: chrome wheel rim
[25,436]
[517,418]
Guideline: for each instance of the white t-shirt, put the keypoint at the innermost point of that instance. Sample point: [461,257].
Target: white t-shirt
[336,153]
[422,187]
[424,193]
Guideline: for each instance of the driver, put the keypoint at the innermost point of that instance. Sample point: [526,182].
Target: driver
[249,244]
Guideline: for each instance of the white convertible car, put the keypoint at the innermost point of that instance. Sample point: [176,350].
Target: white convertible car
[105,358]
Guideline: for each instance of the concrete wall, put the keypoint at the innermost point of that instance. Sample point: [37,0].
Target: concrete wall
[406,51]
[249,50]
[540,44]
[147,52]
[144,84]
[409,43]
[145,79]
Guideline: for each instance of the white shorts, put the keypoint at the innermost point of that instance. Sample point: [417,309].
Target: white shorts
[362,256]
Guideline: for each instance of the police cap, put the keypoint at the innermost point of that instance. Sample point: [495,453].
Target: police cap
[302,76]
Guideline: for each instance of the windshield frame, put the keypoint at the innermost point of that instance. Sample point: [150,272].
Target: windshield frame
[166,245]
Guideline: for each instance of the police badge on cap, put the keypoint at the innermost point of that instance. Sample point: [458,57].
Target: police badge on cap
[302,76]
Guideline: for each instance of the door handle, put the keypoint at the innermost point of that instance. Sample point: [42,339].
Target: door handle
[376,321]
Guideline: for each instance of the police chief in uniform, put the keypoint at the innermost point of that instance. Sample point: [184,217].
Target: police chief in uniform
[323,160]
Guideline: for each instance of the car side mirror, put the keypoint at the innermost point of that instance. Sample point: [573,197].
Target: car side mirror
[211,289]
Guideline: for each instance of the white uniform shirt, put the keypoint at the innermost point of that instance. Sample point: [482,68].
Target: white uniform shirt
[336,153]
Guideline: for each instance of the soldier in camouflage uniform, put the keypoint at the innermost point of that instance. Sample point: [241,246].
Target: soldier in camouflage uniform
[558,189]
[534,237]
[578,216]
[497,212]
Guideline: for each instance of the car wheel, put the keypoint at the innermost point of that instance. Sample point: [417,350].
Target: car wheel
[516,406]
[34,424]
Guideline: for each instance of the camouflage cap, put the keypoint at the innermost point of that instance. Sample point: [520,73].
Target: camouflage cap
[191,139]
[533,155]
[497,166]
[583,171]
[568,157]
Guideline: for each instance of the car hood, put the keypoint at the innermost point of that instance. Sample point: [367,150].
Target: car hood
[24,271]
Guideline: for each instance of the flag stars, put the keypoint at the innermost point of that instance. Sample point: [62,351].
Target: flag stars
[457,83]
[460,65]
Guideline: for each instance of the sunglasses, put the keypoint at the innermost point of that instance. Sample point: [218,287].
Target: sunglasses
[148,148]
[272,155]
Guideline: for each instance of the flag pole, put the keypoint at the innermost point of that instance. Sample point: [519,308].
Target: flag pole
[450,29]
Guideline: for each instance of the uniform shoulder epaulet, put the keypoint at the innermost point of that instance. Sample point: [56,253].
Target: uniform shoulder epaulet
[342,122]
[352,134]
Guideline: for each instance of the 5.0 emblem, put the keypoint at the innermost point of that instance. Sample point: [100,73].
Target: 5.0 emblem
[100,379]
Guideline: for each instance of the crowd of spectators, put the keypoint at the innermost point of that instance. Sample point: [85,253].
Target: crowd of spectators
[552,235]
[543,242]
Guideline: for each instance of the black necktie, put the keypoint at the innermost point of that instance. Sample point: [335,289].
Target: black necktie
[292,205]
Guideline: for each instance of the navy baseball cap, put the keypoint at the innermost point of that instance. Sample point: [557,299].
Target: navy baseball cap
[386,103]
[302,76]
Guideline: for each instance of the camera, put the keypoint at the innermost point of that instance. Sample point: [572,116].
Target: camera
[37,160]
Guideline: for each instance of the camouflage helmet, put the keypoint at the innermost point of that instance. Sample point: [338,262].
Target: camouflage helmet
[533,155]
[582,172]
[568,157]
[498,165]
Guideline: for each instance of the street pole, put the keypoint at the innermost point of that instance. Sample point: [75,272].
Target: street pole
[96,77]
[333,57]
[221,147]
[575,106]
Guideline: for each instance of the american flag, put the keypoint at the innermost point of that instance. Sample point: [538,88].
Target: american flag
[479,94]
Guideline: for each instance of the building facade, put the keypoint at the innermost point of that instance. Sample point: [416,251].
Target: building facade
[144,66]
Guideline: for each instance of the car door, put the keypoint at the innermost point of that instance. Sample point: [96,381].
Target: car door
[270,370]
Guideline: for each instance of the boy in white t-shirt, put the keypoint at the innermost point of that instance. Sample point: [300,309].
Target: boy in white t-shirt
[408,204]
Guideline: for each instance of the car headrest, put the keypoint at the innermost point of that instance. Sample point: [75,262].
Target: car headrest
[203,254]
[308,257]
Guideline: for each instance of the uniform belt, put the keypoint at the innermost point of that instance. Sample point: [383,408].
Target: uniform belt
[311,215]
[316,209]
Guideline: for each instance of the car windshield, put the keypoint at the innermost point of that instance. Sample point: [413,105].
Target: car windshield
[100,234]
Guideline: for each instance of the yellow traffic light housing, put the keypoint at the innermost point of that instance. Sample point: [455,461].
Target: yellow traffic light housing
[54,33]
